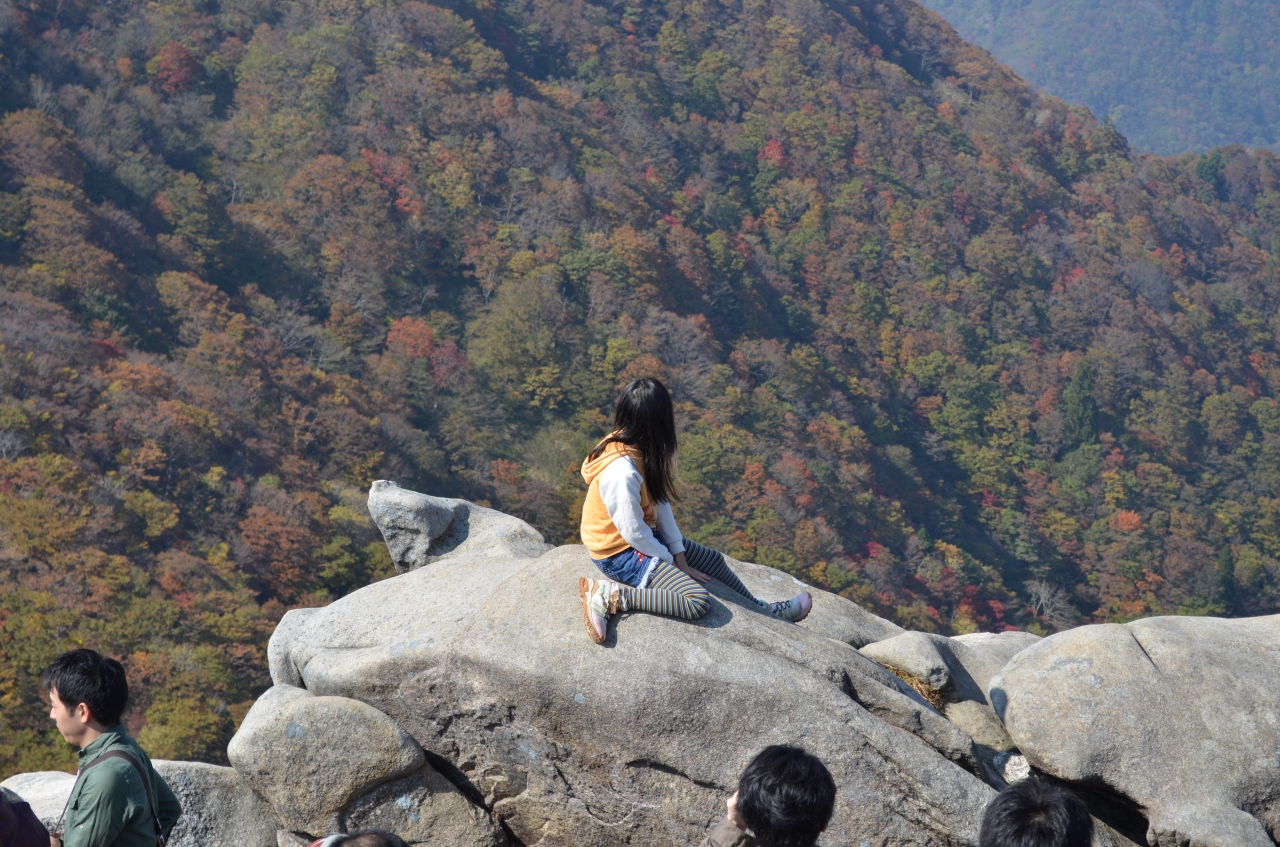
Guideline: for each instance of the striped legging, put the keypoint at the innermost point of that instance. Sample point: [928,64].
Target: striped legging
[672,592]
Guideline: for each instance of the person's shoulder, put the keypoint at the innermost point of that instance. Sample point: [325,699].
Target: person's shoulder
[107,770]
[106,779]
[622,465]
[726,834]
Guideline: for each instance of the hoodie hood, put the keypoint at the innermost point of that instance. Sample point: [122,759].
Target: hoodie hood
[592,468]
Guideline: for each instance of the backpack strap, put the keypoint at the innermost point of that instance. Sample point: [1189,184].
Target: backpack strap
[146,785]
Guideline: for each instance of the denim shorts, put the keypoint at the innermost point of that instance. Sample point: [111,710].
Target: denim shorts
[630,567]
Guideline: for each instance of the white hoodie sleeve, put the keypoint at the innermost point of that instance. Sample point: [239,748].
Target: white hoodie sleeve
[620,491]
[670,531]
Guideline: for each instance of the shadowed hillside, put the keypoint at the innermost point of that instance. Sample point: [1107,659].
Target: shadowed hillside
[1175,75]
[938,343]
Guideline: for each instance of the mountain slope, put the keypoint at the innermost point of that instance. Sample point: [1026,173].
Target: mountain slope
[938,342]
[1174,75]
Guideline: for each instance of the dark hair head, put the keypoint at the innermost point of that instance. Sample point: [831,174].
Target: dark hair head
[1036,813]
[86,676]
[786,797]
[370,838]
[645,419]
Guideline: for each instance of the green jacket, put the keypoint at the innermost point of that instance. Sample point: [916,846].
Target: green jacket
[108,806]
[727,835]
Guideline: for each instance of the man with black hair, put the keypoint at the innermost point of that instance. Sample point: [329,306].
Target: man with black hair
[118,799]
[1036,813]
[785,798]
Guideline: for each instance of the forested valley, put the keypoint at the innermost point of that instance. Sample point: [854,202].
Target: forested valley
[938,343]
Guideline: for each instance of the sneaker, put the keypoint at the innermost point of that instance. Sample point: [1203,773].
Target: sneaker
[599,601]
[795,609]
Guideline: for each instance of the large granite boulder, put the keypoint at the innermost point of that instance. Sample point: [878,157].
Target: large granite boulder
[419,528]
[218,808]
[482,658]
[1178,714]
[311,756]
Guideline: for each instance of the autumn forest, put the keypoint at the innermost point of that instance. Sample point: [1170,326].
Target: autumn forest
[938,343]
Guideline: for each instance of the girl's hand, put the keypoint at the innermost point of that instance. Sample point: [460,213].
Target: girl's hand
[695,575]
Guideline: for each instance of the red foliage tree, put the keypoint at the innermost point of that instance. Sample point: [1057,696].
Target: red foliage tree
[282,550]
[176,68]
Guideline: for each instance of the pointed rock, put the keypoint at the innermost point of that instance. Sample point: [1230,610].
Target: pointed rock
[419,528]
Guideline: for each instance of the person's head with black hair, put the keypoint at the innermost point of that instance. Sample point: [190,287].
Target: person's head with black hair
[785,797]
[87,691]
[1036,813]
[363,838]
[644,418]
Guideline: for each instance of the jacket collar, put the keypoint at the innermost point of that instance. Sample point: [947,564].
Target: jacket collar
[113,736]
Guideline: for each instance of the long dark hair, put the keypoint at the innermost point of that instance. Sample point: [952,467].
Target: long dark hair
[645,419]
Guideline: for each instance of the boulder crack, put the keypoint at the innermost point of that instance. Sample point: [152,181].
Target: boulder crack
[457,778]
[1138,641]
[667,769]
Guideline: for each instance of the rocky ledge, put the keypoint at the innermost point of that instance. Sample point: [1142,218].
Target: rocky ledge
[461,703]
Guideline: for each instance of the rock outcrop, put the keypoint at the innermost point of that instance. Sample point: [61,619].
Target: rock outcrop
[461,703]
[1178,714]
[218,807]
[953,673]
[481,657]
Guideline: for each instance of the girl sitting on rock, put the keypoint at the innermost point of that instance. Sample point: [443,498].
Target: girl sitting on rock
[628,527]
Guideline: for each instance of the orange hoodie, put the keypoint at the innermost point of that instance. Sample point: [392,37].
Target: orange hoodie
[597,530]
